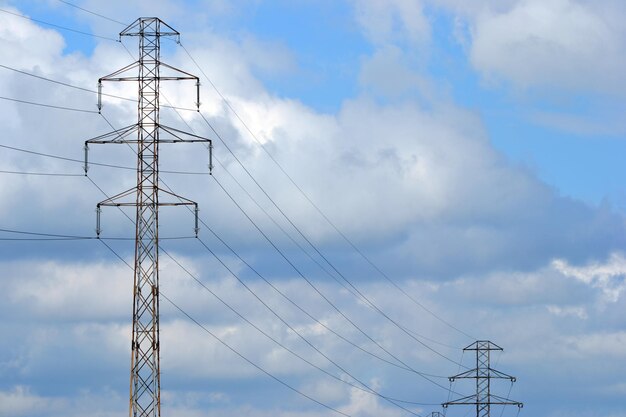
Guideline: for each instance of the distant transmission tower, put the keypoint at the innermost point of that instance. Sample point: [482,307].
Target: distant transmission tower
[483,374]
[145,385]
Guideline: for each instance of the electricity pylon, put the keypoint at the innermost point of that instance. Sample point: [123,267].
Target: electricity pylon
[483,374]
[145,381]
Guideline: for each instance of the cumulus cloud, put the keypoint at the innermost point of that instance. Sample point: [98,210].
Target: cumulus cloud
[412,178]
[579,312]
[561,44]
[424,173]
[61,292]
[364,405]
[397,20]
[607,276]
[21,402]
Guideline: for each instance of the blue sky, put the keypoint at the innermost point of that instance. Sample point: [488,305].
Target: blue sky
[470,149]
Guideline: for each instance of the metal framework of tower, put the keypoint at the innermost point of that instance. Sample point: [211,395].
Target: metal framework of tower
[483,374]
[148,133]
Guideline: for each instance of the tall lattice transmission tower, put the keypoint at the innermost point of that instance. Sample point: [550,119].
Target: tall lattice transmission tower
[148,133]
[483,374]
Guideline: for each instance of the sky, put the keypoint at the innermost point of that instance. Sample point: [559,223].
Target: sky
[393,181]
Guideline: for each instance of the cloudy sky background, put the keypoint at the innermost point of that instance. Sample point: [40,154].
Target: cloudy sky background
[471,150]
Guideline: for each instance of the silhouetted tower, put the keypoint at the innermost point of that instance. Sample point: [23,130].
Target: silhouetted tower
[483,374]
[147,133]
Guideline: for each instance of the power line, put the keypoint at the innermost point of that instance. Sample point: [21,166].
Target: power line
[76,87]
[51,107]
[367,389]
[40,234]
[204,328]
[305,195]
[38,239]
[423,375]
[403,365]
[32,103]
[227,102]
[208,249]
[304,311]
[295,242]
[324,297]
[300,308]
[58,236]
[411,335]
[294,226]
[293,266]
[290,237]
[93,13]
[275,378]
[43,174]
[58,26]
[350,288]
[30,74]
[369,302]
[64,158]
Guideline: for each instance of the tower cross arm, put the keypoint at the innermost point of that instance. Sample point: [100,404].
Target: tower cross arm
[118,199]
[473,400]
[137,28]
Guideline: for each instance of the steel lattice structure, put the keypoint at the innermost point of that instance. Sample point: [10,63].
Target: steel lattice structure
[483,374]
[145,384]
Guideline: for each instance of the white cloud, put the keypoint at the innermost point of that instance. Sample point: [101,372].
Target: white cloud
[608,276]
[365,405]
[21,402]
[59,291]
[393,21]
[564,44]
[579,312]
[542,287]
[431,166]
[329,392]
[389,73]
[608,123]
[603,345]
[22,42]
[419,186]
